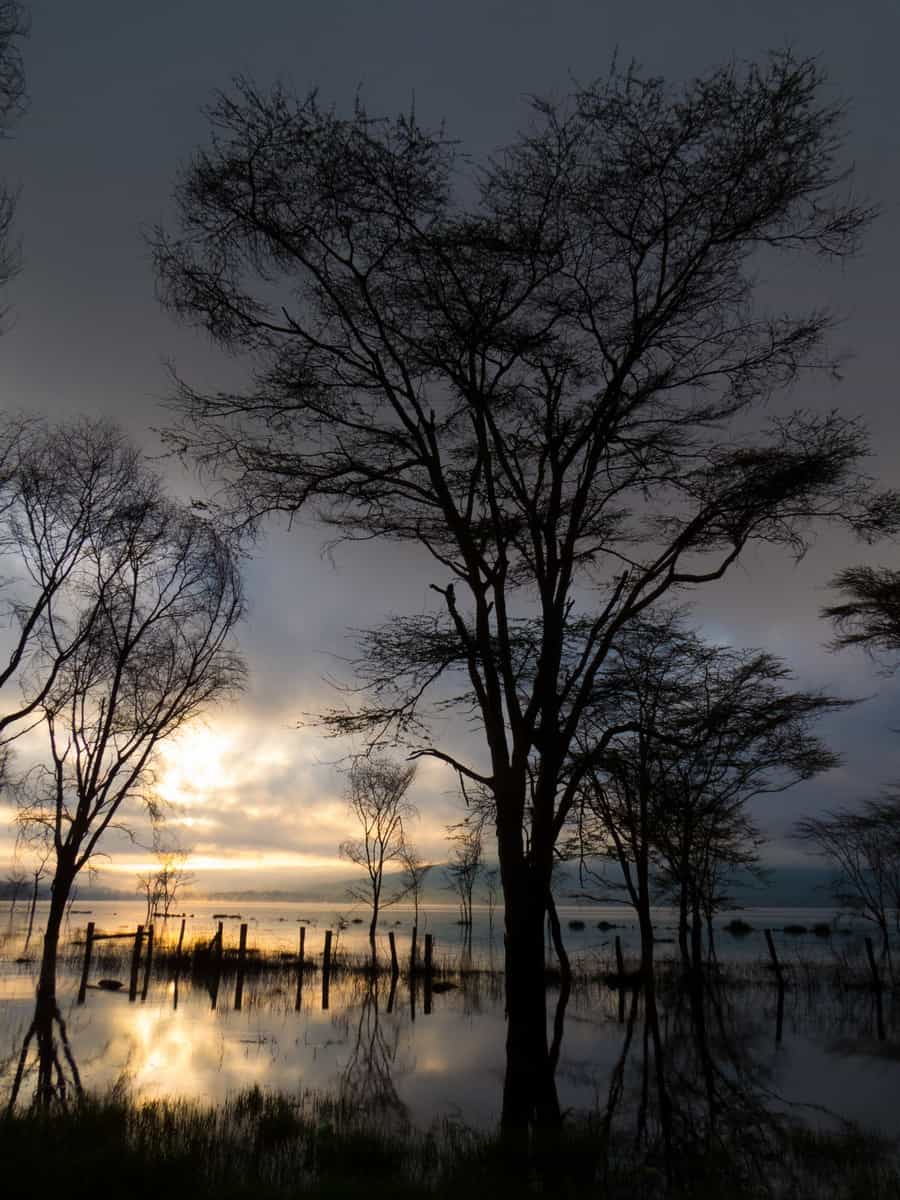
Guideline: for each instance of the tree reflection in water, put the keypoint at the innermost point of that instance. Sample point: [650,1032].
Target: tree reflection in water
[688,1100]
[52,1066]
[688,1095]
[366,1085]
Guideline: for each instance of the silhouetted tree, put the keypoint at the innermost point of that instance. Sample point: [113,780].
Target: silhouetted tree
[415,871]
[15,882]
[159,595]
[712,728]
[464,868]
[870,613]
[863,846]
[161,887]
[13,28]
[377,790]
[62,490]
[540,373]
[491,876]
[38,871]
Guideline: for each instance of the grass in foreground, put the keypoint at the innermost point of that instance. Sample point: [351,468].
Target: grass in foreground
[272,1147]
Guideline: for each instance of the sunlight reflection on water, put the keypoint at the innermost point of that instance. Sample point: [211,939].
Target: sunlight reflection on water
[449,1063]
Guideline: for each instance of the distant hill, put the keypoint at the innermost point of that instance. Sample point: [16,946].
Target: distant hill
[786,887]
[336,890]
[87,892]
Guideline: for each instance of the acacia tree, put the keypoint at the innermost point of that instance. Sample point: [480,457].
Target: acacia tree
[464,868]
[162,887]
[713,728]
[13,28]
[415,871]
[863,846]
[869,614]
[159,596]
[14,885]
[38,871]
[376,798]
[62,490]
[541,375]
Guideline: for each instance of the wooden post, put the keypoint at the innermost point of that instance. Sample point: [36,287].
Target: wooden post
[300,957]
[392,994]
[135,962]
[395,966]
[217,941]
[86,965]
[147,963]
[412,974]
[620,975]
[779,978]
[876,987]
[326,969]
[178,964]
[242,958]
[429,964]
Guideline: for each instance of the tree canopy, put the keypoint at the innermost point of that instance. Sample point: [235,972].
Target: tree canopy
[546,369]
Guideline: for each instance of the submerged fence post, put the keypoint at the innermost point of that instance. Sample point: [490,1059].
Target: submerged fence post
[412,974]
[147,962]
[876,987]
[242,957]
[620,972]
[395,966]
[326,969]
[779,978]
[178,964]
[217,942]
[86,965]
[300,956]
[135,962]
[429,964]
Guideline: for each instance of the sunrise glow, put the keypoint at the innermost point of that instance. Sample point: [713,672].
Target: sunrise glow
[193,767]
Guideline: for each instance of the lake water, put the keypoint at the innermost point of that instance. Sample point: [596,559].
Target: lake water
[381,1050]
[273,928]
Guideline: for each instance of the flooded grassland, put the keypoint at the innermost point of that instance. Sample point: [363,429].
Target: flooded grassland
[416,1049]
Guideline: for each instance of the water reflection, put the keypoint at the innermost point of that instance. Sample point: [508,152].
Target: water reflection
[697,1089]
[45,1064]
[367,1081]
[685,1070]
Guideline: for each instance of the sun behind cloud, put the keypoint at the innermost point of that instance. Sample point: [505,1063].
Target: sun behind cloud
[195,766]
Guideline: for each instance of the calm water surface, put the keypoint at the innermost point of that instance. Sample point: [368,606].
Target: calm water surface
[384,1052]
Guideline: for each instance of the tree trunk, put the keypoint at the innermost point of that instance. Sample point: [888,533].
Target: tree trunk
[34,896]
[52,1083]
[529,1093]
[565,982]
[646,929]
[651,1016]
[683,927]
[696,936]
[372,927]
[59,895]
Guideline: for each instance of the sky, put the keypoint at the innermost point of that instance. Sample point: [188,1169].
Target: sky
[116,98]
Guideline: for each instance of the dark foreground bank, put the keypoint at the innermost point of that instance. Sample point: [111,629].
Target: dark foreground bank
[271,1147]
